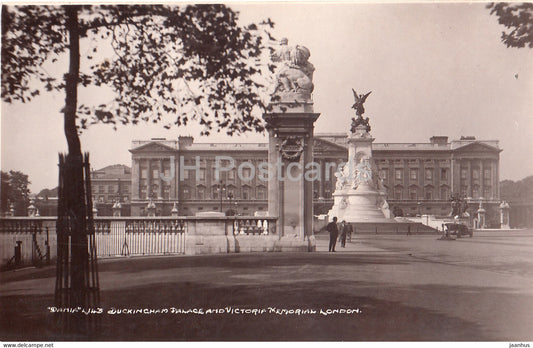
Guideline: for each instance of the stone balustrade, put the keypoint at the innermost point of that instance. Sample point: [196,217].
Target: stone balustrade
[138,236]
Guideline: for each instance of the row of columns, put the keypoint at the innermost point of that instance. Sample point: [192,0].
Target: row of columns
[469,181]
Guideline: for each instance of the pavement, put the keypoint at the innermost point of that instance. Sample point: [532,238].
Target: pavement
[377,288]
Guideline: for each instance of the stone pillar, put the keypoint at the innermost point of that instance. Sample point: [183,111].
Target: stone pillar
[290,195]
[481,216]
[290,123]
[504,215]
[497,178]
[117,209]
[174,212]
[150,208]
[135,175]
[149,180]
[161,182]
[469,192]
[32,210]
[481,179]
[273,183]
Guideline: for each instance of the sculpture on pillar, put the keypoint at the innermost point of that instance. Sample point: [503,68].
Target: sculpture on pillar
[359,111]
[294,75]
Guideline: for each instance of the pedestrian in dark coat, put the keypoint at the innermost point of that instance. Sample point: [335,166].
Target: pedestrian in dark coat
[349,231]
[333,234]
[343,231]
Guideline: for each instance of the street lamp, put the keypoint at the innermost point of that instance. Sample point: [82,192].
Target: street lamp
[230,197]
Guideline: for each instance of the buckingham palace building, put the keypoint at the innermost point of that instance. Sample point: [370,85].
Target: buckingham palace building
[420,178]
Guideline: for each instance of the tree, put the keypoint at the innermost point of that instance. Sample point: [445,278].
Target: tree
[15,191]
[397,211]
[520,191]
[194,63]
[518,19]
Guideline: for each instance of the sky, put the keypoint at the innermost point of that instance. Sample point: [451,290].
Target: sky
[433,69]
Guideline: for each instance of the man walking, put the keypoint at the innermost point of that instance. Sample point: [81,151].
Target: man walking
[348,231]
[333,234]
[343,231]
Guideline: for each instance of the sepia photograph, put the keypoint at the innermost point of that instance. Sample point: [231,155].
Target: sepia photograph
[270,171]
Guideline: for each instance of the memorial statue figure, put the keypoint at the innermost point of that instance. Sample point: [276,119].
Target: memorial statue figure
[359,111]
[294,75]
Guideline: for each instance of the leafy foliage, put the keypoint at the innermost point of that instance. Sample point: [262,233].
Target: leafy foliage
[192,63]
[15,191]
[517,191]
[518,19]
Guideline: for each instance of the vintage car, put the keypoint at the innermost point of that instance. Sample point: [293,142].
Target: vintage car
[458,230]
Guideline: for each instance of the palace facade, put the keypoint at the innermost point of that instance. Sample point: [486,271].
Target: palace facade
[420,177]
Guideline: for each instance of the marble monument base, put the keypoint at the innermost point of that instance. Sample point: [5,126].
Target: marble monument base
[360,205]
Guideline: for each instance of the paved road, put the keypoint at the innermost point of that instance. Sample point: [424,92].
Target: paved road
[405,288]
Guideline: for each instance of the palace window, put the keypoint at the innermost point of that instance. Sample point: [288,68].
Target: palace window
[261,192]
[202,173]
[155,191]
[413,173]
[444,192]
[200,192]
[429,174]
[166,192]
[143,192]
[398,192]
[246,192]
[246,174]
[487,192]
[327,189]
[232,192]
[487,177]
[475,191]
[463,173]
[464,191]
[231,175]
[413,192]
[429,192]
[444,174]
[144,172]
[398,173]
[475,176]
[166,172]
[186,192]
